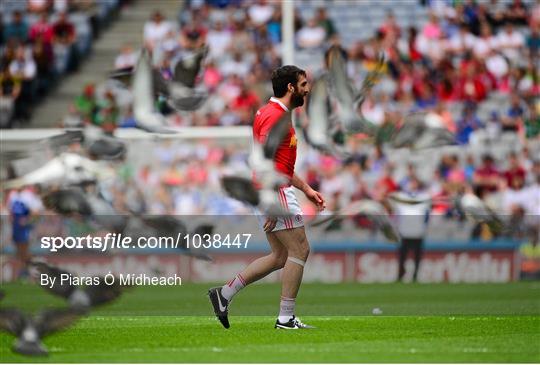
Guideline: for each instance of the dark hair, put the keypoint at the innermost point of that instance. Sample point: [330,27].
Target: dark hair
[283,76]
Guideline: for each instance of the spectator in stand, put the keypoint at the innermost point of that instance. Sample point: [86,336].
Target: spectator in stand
[245,105]
[2,31]
[372,110]
[497,66]
[327,24]
[230,88]
[429,42]
[510,42]
[467,124]
[462,42]
[486,178]
[60,6]
[469,168]
[444,166]
[43,56]
[10,90]
[455,176]
[127,119]
[64,44]
[533,41]
[442,117]
[410,175]
[413,52]
[532,123]
[228,117]
[260,12]
[483,45]
[8,53]
[156,29]
[516,13]
[446,91]
[108,113]
[243,42]
[386,184]
[514,195]
[311,36]
[126,58]
[238,65]
[24,68]
[193,36]
[39,6]
[515,171]
[219,39]
[471,87]
[493,126]
[17,29]
[427,97]
[274,27]
[529,82]
[535,15]
[86,104]
[515,115]
[261,37]
[42,28]
[211,75]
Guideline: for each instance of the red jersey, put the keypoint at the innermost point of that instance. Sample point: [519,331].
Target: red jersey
[265,119]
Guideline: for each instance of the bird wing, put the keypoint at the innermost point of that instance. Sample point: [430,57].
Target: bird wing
[54,320]
[62,290]
[12,321]
[345,96]
[187,68]
[240,188]
[143,98]
[371,79]
[67,201]
[316,132]
[52,171]
[103,293]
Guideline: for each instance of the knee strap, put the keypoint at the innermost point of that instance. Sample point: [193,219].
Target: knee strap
[296,261]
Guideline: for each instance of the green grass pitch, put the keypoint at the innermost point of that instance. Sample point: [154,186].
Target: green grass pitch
[419,323]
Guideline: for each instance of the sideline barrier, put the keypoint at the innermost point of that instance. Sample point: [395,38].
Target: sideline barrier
[454,262]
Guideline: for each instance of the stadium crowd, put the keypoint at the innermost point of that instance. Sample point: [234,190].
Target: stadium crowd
[459,65]
[40,42]
[475,67]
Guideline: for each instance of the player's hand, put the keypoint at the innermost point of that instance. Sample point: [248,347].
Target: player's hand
[316,198]
[270,224]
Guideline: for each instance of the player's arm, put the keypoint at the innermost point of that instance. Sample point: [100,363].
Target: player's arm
[315,197]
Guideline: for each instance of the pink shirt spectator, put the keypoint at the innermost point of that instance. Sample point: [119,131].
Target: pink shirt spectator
[43,28]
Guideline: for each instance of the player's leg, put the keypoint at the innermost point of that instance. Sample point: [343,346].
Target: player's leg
[220,297]
[265,265]
[297,245]
[259,268]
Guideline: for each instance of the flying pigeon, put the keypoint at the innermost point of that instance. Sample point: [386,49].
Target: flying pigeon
[30,330]
[67,169]
[371,210]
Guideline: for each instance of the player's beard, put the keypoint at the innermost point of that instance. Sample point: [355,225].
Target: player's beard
[297,99]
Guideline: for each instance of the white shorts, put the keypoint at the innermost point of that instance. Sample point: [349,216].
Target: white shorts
[288,201]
